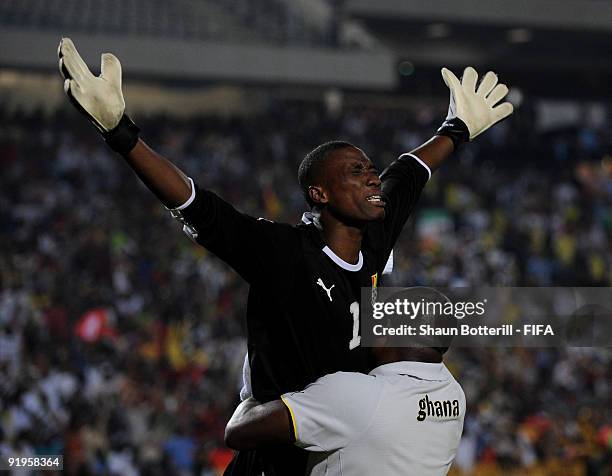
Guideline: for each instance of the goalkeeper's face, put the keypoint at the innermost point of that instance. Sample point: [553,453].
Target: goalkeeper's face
[351,186]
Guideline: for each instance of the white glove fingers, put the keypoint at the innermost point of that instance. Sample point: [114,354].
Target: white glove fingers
[453,84]
[67,87]
[498,93]
[99,98]
[72,90]
[63,71]
[502,111]
[487,84]
[110,68]
[451,81]
[77,98]
[72,68]
[468,81]
[72,61]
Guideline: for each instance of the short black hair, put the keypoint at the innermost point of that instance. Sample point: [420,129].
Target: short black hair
[307,172]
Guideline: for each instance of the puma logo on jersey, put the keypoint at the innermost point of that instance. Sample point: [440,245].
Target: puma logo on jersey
[437,408]
[327,290]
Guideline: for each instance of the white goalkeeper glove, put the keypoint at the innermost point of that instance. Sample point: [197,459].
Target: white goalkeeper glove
[472,111]
[98,97]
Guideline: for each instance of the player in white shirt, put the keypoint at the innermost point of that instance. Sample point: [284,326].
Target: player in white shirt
[403,418]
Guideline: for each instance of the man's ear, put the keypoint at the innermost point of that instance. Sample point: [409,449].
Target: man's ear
[317,195]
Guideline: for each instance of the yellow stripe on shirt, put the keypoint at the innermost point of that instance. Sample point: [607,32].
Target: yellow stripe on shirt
[293,421]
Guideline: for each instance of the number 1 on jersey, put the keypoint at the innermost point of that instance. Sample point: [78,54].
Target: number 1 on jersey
[356,339]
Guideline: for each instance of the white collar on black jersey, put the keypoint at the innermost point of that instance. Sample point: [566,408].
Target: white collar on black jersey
[308,218]
[340,262]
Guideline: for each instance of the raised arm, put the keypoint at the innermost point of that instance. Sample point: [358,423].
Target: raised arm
[472,110]
[435,151]
[100,99]
[169,184]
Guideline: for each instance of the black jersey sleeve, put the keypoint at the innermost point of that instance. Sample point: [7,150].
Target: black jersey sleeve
[255,247]
[402,183]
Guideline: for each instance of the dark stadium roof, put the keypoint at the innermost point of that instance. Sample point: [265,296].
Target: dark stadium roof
[552,51]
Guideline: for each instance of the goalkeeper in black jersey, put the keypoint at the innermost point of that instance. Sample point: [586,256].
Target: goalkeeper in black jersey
[305,280]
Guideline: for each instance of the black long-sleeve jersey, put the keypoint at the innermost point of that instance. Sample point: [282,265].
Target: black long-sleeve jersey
[303,304]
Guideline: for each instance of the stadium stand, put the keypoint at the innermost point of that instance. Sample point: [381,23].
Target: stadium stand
[236,21]
[121,342]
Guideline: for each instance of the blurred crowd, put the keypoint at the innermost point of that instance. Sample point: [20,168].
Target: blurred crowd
[121,341]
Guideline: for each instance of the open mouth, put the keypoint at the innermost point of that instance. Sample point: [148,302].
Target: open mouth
[376,199]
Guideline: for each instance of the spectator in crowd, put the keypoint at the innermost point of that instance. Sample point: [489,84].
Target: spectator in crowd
[121,344]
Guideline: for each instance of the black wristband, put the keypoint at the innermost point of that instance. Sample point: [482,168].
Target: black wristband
[456,130]
[123,137]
